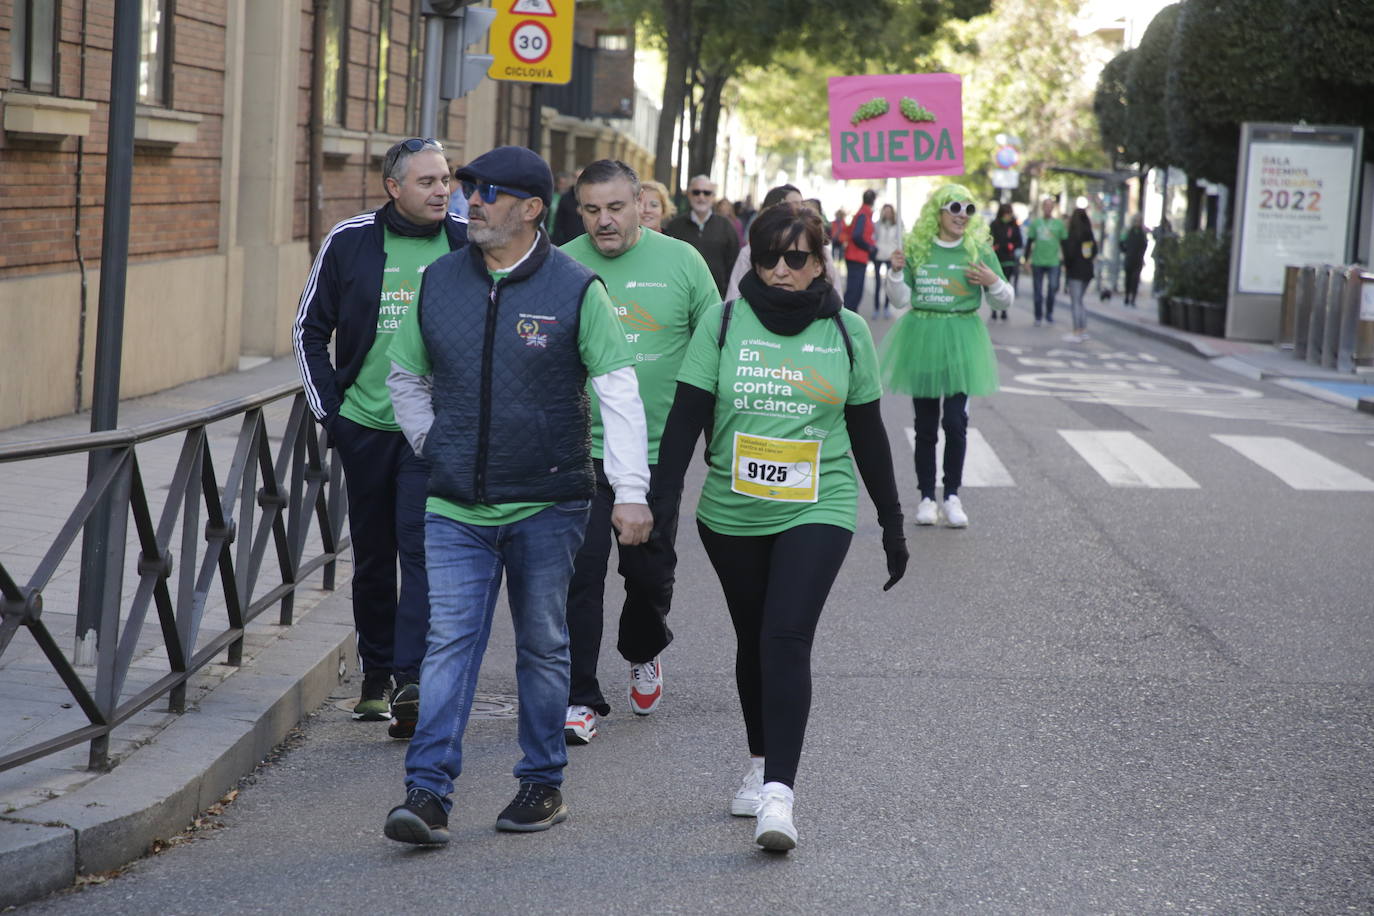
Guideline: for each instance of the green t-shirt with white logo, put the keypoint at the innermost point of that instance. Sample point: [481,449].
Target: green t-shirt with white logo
[1047,234]
[660,289]
[779,450]
[366,401]
[602,347]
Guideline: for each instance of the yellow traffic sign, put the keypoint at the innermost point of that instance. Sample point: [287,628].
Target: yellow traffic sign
[532,40]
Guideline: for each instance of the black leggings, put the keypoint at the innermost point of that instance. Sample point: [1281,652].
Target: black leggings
[775,587]
[928,423]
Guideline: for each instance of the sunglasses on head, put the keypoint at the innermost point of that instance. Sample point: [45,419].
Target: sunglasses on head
[959,209]
[489,191]
[415,144]
[794,259]
[702,192]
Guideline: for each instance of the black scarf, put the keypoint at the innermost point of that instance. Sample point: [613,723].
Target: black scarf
[402,226]
[785,311]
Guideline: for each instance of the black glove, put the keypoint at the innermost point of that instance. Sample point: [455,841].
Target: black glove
[894,545]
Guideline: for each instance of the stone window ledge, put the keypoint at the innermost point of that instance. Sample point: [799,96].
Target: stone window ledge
[47,118]
[343,143]
[162,127]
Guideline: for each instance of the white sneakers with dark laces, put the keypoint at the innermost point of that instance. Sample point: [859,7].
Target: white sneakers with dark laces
[646,686]
[580,725]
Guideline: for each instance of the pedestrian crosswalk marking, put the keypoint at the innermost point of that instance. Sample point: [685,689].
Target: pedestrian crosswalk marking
[982,468]
[1298,466]
[1123,459]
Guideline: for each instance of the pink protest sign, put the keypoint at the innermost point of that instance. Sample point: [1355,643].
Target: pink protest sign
[893,126]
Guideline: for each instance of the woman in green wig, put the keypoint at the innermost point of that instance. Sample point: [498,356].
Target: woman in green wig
[939,353]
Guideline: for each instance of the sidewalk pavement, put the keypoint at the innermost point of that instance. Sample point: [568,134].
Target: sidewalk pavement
[59,820]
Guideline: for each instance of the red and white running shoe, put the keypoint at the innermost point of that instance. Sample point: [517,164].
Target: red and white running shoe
[646,687]
[580,725]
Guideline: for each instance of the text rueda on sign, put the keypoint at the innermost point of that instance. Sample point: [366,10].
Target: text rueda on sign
[896,125]
[532,40]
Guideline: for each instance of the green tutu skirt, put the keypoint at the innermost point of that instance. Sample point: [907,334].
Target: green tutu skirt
[934,354]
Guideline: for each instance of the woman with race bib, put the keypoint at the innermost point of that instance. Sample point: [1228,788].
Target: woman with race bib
[787,382]
[940,352]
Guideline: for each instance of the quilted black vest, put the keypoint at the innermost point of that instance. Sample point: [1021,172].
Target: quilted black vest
[512,419]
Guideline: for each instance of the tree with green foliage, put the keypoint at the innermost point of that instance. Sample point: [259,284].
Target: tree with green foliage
[1147,129]
[1223,71]
[1109,107]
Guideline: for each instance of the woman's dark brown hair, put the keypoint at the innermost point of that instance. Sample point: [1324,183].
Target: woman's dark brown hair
[775,229]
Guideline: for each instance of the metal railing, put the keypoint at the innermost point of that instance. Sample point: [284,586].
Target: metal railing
[261,500]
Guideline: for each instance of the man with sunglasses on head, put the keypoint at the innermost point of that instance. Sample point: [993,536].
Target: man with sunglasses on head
[712,235]
[489,381]
[660,287]
[363,283]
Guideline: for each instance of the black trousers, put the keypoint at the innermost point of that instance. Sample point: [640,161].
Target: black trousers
[1133,279]
[648,572]
[386,520]
[928,423]
[775,587]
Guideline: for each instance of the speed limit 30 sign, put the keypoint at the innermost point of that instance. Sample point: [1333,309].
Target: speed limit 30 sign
[531,41]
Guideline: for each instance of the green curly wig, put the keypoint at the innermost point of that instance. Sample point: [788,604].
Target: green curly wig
[977,236]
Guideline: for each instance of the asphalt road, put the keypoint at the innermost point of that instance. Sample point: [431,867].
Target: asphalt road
[1104,696]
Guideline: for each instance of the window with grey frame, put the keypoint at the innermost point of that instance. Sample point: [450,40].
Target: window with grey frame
[335,61]
[33,45]
[155,52]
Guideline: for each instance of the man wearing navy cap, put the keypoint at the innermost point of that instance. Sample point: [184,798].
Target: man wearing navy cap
[488,379]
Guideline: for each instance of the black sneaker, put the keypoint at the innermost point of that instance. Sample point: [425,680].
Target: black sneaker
[537,806]
[421,820]
[372,705]
[405,711]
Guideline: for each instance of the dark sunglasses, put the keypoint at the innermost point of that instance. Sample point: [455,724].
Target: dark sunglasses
[959,209]
[701,192]
[794,259]
[489,191]
[415,144]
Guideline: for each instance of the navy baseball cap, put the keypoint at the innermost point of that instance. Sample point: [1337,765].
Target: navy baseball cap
[514,167]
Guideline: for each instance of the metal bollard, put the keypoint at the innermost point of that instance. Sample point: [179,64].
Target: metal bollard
[1286,306]
[1302,309]
[1316,323]
[1352,335]
[1331,332]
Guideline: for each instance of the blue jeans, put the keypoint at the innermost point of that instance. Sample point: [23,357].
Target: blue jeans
[465,565]
[1045,298]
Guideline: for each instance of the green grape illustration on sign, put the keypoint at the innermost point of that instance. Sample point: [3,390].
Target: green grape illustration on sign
[914,111]
[873,108]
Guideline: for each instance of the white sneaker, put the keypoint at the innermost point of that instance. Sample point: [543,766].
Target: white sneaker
[746,800]
[774,829]
[646,687]
[955,517]
[580,725]
[927,512]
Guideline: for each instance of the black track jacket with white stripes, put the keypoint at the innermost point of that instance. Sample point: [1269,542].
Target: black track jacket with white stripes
[341,299]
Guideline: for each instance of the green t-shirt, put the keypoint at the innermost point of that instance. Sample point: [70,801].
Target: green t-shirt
[1046,234]
[659,288]
[366,401]
[939,285]
[603,349]
[779,414]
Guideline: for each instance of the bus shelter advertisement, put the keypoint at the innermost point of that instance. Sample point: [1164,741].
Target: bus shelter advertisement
[896,125]
[1299,191]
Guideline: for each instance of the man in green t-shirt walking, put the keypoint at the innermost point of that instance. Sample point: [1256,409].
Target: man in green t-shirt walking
[363,283]
[660,287]
[488,380]
[1045,237]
